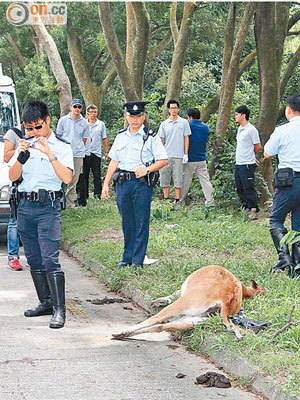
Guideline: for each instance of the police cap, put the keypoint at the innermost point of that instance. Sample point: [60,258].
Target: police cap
[135,107]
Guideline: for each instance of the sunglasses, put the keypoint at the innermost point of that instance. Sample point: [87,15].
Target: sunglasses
[37,127]
[77,106]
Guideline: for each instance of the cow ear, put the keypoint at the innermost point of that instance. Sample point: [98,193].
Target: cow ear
[253,284]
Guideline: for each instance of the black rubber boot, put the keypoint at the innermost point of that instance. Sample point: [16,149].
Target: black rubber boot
[285,261]
[43,293]
[296,259]
[56,281]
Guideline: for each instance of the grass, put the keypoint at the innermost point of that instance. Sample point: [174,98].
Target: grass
[184,240]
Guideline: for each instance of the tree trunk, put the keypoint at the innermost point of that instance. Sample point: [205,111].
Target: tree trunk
[20,58]
[116,52]
[175,75]
[87,88]
[110,77]
[130,31]
[289,71]
[228,45]
[227,94]
[37,45]
[173,21]
[63,85]
[155,51]
[95,62]
[140,48]
[270,31]
[212,107]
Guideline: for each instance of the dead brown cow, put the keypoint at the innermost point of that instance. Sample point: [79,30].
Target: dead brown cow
[207,290]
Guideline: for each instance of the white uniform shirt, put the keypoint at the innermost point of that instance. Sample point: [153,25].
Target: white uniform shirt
[285,141]
[132,152]
[38,172]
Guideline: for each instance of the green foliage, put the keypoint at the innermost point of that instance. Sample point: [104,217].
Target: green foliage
[39,83]
[198,86]
[290,238]
[223,178]
[161,210]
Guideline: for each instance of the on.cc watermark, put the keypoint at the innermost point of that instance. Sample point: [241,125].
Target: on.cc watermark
[19,14]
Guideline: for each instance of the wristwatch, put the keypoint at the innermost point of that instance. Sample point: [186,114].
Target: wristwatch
[53,159]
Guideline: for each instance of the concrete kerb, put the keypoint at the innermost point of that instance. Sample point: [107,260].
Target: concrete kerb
[265,385]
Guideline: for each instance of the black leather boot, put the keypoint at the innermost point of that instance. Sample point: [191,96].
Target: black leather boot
[296,259]
[285,261]
[56,281]
[43,293]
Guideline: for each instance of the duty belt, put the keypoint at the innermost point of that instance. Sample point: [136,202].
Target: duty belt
[41,195]
[127,175]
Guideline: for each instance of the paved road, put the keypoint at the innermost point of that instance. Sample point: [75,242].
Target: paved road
[81,361]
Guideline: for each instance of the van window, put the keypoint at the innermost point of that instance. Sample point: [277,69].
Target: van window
[8,116]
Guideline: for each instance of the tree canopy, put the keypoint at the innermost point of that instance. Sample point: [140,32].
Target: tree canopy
[210,55]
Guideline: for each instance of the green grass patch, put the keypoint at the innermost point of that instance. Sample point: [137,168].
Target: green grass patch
[185,239]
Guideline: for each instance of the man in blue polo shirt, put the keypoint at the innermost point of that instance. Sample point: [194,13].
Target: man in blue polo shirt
[197,157]
[75,130]
[174,133]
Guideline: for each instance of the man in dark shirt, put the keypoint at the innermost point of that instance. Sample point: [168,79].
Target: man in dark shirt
[197,158]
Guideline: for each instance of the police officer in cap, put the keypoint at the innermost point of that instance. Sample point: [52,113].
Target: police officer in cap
[285,142]
[44,162]
[135,154]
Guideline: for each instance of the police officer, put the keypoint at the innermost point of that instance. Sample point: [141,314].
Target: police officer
[44,162]
[285,142]
[135,154]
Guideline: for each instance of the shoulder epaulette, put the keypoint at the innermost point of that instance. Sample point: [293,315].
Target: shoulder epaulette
[149,132]
[61,139]
[152,133]
[283,123]
[122,130]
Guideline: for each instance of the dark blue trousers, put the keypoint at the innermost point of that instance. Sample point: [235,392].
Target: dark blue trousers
[286,199]
[244,183]
[134,204]
[39,225]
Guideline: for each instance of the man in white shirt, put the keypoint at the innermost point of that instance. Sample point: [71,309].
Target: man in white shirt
[247,145]
[74,129]
[174,133]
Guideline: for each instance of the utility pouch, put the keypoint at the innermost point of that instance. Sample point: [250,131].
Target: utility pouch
[62,199]
[116,176]
[41,195]
[152,178]
[283,177]
[13,202]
